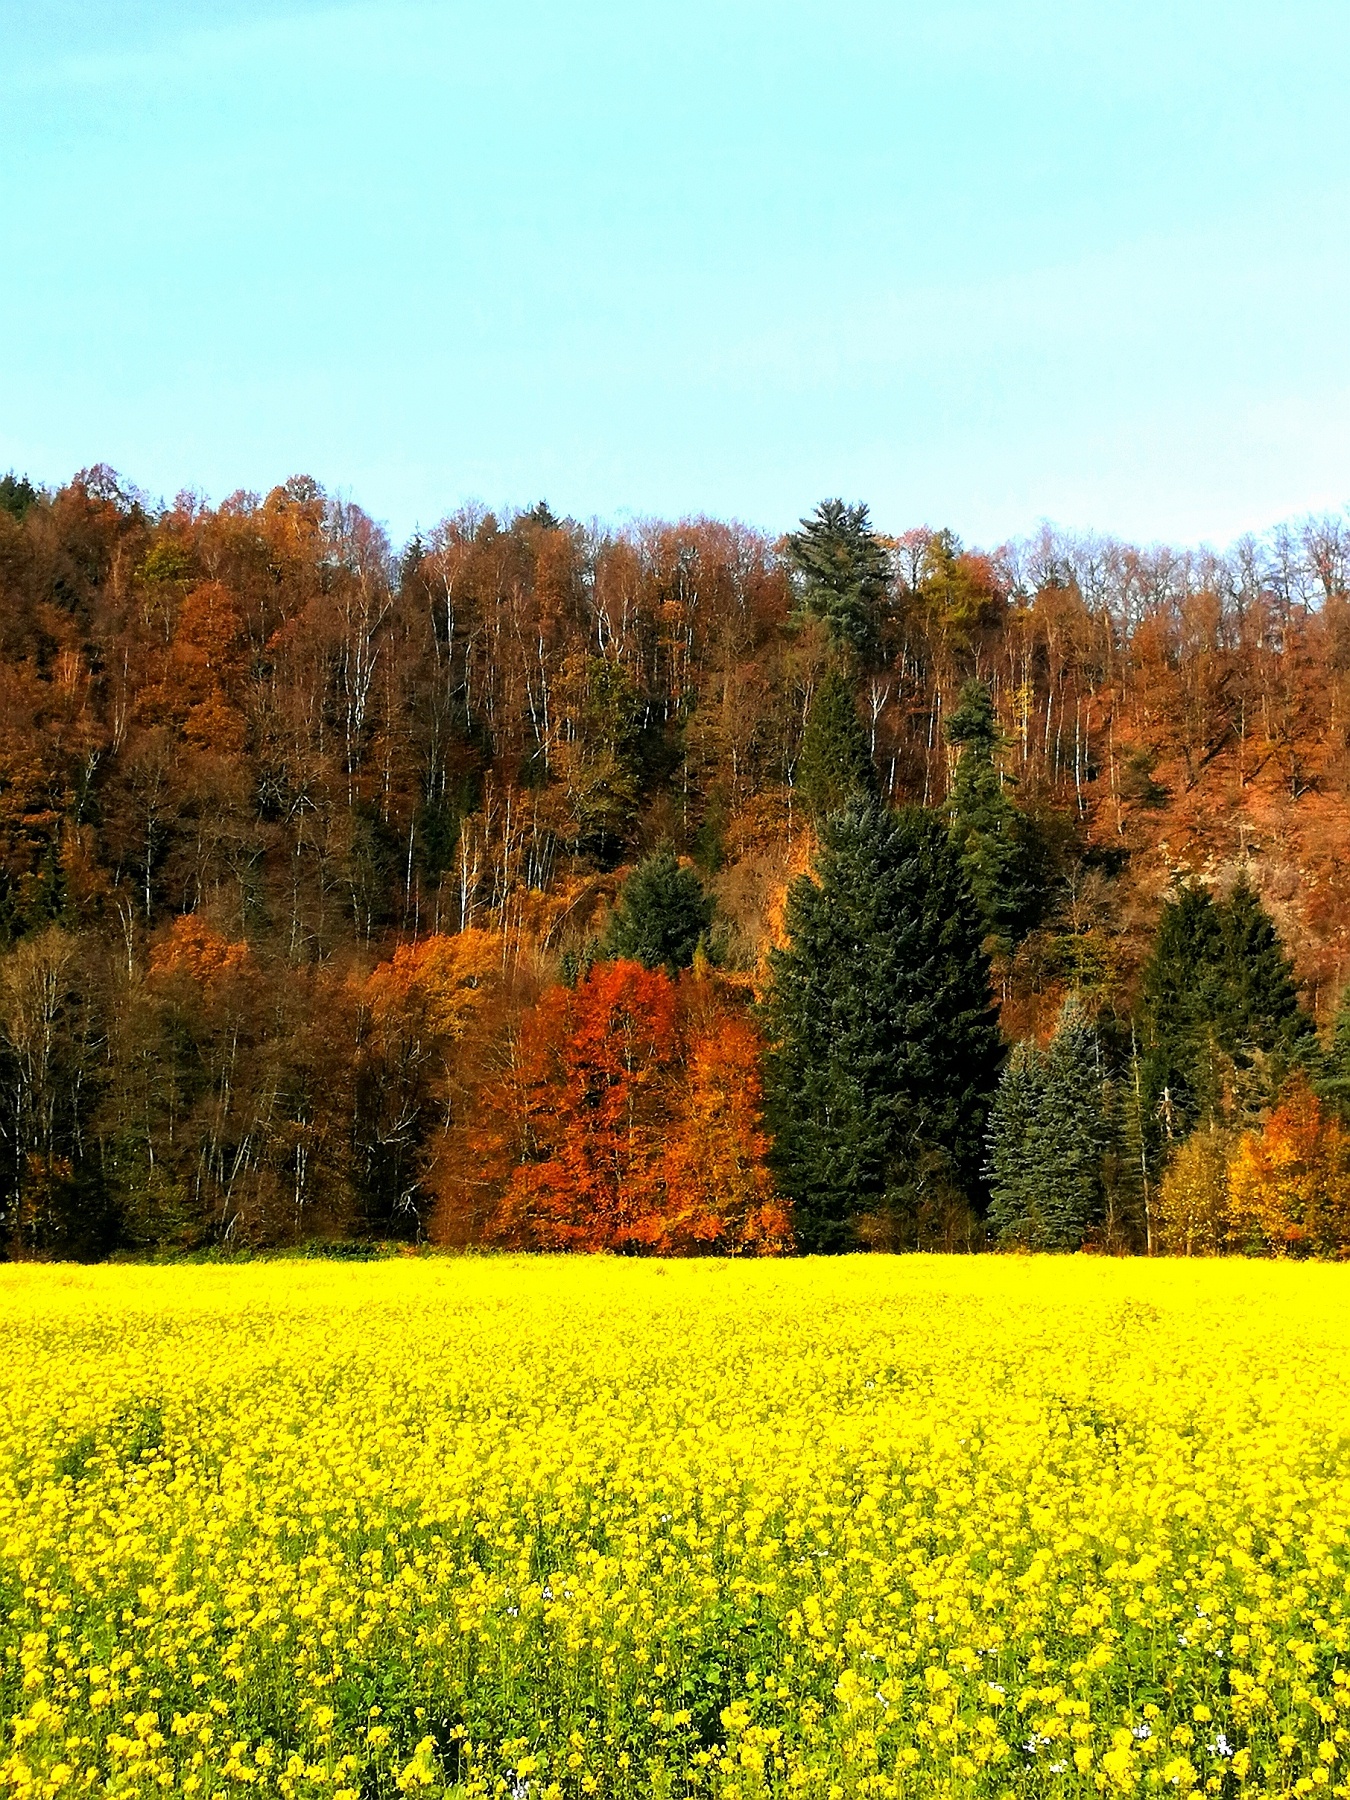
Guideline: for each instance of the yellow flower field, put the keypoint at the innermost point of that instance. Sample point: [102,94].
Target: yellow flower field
[917,1526]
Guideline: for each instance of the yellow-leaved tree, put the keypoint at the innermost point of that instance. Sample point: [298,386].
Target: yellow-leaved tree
[1193,1215]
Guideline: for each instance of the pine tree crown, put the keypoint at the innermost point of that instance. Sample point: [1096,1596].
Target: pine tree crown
[844,573]
[661,915]
[1219,1007]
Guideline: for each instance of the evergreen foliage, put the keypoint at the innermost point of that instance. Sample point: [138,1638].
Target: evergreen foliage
[844,573]
[835,770]
[1220,1011]
[661,915]
[1073,1131]
[1012,1167]
[1333,1072]
[1261,1017]
[1048,1135]
[1179,1001]
[17,494]
[993,836]
[885,1044]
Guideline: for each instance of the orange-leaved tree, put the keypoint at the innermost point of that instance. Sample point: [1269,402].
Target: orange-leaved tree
[196,1089]
[446,978]
[412,1014]
[632,1117]
[596,1081]
[719,1194]
[196,950]
[1289,1184]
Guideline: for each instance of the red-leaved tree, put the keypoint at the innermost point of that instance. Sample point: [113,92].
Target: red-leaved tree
[631,1128]
[595,1083]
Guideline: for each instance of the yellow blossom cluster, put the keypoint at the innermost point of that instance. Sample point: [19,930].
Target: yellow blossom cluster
[553,1528]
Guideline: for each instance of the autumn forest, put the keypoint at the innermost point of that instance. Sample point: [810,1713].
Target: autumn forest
[665,889]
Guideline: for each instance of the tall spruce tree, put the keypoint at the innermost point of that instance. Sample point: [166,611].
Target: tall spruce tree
[835,770]
[1074,1131]
[1262,1022]
[661,914]
[1220,1010]
[994,838]
[884,1044]
[844,573]
[1181,998]
[1012,1166]
[1049,1129]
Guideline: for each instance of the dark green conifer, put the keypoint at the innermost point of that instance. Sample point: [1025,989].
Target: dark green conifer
[1073,1132]
[994,838]
[835,770]
[1262,1021]
[1012,1167]
[844,573]
[17,494]
[1220,1011]
[661,915]
[885,1047]
[1333,1073]
[1048,1135]
[1181,999]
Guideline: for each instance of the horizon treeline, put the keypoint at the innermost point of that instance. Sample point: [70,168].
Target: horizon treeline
[465,889]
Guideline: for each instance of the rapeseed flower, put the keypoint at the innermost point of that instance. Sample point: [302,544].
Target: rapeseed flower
[548,1529]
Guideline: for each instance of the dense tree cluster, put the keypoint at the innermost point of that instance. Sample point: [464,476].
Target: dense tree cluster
[667,887]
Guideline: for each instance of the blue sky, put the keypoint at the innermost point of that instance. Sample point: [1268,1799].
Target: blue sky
[977,264]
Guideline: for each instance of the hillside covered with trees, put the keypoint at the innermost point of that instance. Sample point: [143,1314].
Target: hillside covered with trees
[666,889]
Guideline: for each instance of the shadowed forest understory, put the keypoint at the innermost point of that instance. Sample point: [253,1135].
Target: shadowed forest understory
[666,889]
